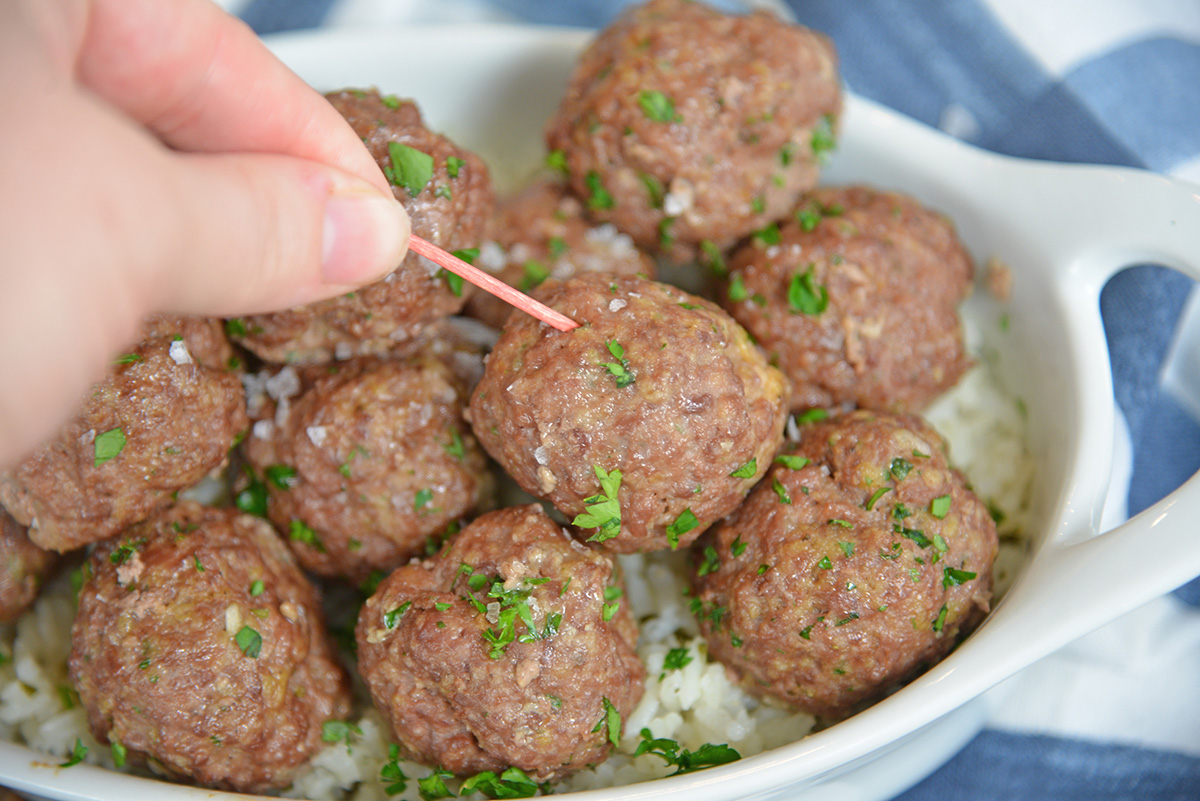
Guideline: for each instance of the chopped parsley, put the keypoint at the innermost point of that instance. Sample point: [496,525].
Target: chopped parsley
[128,358]
[940,507]
[423,498]
[823,140]
[454,448]
[107,445]
[812,416]
[900,468]
[676,659]
[682,525]
[236,327]
[805,296]
[512,783]
[283,476]
[603,511]
[391,101]
[875,496]
[611,721]
[533,274]
[847,547]
[337,731]
[768,235]
[453,165]
[556,160]
[249,640]
[954,576]
[253,499]
[792,462]
[737,548]
[125,551]
[393,776]
[299,531]
[657,106]
[599,198]
[916,535]
[654,189]
[825,564]
[711,257]
[77,755]
[119,753]
[619,369]
[711,562]
[391,618]
[941,618]
[781,491]
[737,289]
[410,168]
[433,786]
[684,761]
[747,470]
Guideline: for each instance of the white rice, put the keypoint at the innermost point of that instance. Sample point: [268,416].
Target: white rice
[694,705]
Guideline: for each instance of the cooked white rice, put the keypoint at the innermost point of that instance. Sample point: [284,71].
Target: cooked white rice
[694,705]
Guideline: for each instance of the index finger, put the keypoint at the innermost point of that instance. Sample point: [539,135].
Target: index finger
[201,80]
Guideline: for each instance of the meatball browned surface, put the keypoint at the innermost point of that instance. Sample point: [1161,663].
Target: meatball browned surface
[199,646]
[367,462]
[164,418]
[861,559]
[509,648]
[542,232]
[682,125]
[24,568]
[856,299]
[657,384]
[447,192]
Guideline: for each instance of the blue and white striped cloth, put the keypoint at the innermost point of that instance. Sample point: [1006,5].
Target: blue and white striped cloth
[1115,716]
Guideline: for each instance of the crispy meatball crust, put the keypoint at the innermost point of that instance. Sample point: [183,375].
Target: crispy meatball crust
[164,418]
[199,647]
[894,273]
[688,402]
[542,232]
[681,124]
[858,563]
[452,211]
[23,571]
[370,461]
[462,694]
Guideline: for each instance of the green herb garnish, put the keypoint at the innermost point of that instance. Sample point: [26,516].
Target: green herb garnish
[603,510]
[410,168]
[619,369]
[747,470]
[684,761]
[107,445]
[249,640]
[657,106]
[940,507]
[805,296]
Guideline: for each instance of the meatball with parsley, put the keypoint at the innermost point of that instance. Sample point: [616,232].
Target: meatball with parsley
[860,560]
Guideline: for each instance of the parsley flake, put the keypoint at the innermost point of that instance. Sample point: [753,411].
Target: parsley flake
[392,774]
[249,640]
[684,761]
[77,755]
[791,461]
[599,198]
[619,369]
[954,576]
[657,106]
[603,510]
[805,296]
[682,525]
[107,445]
[940,507]
[410,168]
[747,470]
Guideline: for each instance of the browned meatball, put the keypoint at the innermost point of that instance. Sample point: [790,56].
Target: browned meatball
[542,233]
[25,566]
[199,645]
[685,126]
[164,418]
[447,192]
[658,388]
[367,461]
[512,647]
[856,299]
[861,559]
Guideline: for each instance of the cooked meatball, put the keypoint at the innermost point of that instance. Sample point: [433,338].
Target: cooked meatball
[689,129]
[25,566]
[861,559]
[199,646]
[367,461]
[855,298]
[511,647]
[658,390]
[542,233]
[447,192]
[164,418]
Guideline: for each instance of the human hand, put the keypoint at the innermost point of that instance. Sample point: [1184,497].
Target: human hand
[156,157]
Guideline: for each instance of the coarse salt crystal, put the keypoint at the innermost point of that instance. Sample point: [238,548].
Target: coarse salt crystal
[263,429]
[179,352]
[283,384]
[540,456]
[316,435]
[616,304]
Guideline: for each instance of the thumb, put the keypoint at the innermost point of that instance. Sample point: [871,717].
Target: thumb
[262,232]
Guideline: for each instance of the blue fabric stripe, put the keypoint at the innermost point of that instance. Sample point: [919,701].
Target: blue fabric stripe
[276,16]
[884,49]
[1137,93]
[1002,766]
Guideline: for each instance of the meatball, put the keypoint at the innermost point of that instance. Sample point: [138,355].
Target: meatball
[860,560]
[856,299]
[164,418]
[447,192]
[659,402]
[687,128]
[542,233]
[509,648]
[369,460]
[199,646]
[25,566]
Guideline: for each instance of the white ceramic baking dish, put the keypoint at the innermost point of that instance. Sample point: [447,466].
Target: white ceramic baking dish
[1064,230]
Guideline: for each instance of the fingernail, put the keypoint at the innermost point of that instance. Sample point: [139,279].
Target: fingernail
[365,238]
